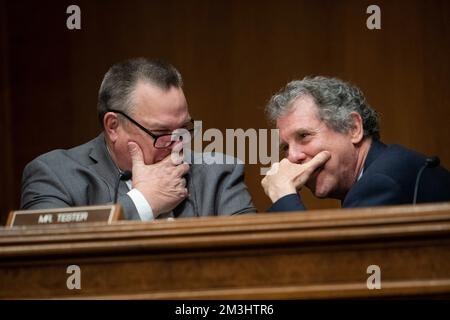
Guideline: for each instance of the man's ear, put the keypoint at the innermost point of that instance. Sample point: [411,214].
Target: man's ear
[111,125]
[357,131]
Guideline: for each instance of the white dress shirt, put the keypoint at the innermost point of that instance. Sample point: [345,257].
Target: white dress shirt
[143,207]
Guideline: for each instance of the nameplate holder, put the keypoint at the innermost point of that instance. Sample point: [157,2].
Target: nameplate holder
[103,213]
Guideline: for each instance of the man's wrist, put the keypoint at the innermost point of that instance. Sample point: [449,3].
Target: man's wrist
[277,194]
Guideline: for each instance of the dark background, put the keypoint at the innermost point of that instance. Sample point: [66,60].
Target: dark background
[233,56]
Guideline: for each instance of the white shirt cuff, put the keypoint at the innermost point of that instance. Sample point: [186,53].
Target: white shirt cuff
[143,207]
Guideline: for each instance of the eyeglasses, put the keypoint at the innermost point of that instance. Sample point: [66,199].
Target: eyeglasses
[160,141]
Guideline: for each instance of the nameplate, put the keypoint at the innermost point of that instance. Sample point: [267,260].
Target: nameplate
[103,213]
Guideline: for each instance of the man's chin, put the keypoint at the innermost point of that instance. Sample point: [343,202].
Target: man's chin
[317,191]
[316,185]
[320,195]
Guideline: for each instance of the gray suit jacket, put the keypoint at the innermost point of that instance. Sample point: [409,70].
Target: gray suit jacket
[86,175]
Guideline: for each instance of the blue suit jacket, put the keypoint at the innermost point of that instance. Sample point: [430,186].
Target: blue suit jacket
[388,178]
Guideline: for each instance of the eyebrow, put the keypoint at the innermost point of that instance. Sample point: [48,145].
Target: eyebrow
[298,132]
[159,127]
[304,130]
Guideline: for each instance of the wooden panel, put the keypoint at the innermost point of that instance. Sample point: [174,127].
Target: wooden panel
[320,254]
[7,199]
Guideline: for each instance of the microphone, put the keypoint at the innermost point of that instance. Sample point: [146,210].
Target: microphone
[124,176]
[430,162]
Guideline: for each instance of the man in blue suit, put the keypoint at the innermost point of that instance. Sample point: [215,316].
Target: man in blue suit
[331,139]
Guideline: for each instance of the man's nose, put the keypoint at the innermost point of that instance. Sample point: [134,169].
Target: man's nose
[296,155]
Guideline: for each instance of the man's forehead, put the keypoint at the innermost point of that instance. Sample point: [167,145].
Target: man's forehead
[158,108]
[151,100]
[303,115]
[304,105]
[147,93]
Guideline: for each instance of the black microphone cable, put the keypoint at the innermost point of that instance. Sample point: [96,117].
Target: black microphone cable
[429,163]
[123,176]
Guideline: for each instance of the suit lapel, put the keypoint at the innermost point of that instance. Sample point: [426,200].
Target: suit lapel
[104,166]
[187,208]
[376,148]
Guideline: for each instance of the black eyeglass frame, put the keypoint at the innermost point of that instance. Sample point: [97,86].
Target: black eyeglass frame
[155,137]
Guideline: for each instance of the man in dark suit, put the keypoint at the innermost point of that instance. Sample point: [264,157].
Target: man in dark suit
[141,103]
[332,143]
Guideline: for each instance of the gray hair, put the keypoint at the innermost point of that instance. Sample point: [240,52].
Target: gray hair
[335,100]
[120,81]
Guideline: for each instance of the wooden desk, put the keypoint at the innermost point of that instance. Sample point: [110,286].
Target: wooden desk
[315,254]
